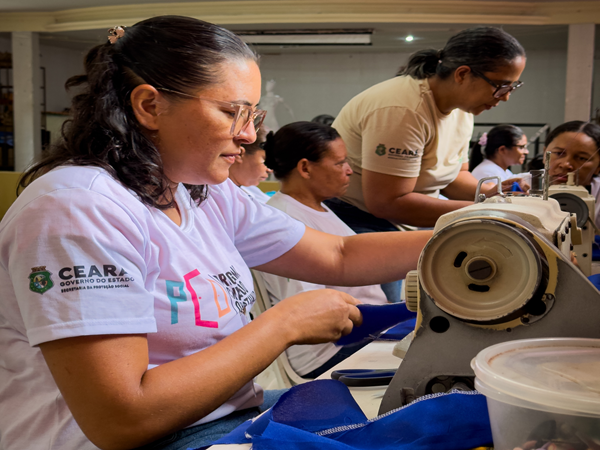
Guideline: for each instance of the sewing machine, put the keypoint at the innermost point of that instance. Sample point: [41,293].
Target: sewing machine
[577,200]
[495,271]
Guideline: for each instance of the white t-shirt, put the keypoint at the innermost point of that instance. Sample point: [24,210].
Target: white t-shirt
[306,358]
[81,255]
[255,193]
[488,168]
[395,128]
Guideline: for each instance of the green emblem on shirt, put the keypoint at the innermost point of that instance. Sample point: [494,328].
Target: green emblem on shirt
[40,280]
[380,150]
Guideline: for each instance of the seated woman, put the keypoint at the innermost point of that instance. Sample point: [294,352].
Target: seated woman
[574,147]
[505,145]
[249,168]
[124,263]
[310,160]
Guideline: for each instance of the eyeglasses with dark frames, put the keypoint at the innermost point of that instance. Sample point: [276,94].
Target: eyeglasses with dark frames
[501,89]
[242,114]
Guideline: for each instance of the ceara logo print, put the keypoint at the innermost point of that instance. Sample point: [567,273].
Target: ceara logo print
[380,150]
[40,280]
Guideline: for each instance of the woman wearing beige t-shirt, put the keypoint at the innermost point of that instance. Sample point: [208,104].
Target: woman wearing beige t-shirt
[408,137]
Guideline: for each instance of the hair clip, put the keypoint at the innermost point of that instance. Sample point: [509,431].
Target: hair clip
[483,139]
[116,33]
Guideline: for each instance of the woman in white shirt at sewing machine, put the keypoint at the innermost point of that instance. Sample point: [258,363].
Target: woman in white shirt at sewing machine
[249,168]
[504,145]
[310,160]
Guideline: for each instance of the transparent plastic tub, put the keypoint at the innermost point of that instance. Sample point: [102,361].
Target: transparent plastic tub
[542,393]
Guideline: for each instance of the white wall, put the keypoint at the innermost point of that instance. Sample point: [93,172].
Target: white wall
[313,84]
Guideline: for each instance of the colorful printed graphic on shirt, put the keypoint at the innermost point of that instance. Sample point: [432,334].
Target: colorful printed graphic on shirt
[227,289]
[40,280]
[380,150]
[105,276]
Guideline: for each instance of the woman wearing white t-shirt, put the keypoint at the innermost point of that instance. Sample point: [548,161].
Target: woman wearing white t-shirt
[249,168]
[505,146]
[124,263]
[310,160]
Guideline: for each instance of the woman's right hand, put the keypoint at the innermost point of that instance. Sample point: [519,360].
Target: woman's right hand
[314,317]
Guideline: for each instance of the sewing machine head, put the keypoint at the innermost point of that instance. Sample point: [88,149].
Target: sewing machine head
[495,271]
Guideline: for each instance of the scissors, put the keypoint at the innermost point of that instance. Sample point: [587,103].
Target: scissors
[364,377]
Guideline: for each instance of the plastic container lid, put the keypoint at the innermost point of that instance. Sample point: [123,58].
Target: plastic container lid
[559,375]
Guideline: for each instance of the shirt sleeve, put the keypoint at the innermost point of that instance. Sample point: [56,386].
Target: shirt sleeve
[260,232]
[393,141]
[76,260]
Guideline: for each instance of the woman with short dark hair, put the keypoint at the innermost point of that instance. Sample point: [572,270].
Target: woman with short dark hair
[310,160]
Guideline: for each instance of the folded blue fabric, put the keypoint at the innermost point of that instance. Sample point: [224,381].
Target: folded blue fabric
[323,415]
[377,319]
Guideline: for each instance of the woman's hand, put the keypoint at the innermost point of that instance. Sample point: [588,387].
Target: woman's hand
[491,189]
[314,317]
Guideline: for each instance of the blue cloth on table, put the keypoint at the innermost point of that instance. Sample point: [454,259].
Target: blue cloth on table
[377,319]
[398,332]
[323,415]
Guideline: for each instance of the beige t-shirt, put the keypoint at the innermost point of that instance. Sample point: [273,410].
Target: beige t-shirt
[395,128]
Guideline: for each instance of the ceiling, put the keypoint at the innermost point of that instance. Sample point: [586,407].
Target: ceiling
[537,24]
[57,5]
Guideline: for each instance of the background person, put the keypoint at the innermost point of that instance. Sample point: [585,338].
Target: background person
[249,168]
[311,162]
[408,137]
[124,263]
[505,146]
[574,147]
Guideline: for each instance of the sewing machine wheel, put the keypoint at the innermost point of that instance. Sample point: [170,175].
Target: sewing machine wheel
[480,270]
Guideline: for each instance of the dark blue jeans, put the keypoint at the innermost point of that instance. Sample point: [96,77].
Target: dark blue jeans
[363,222]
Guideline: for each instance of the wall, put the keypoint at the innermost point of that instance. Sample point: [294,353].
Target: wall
[312,84]
[60,64]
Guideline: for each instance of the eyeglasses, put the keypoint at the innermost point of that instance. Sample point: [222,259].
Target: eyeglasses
[502,89]
[242,114]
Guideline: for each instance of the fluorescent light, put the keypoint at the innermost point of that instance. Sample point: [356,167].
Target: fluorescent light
[307,37]
[409,38]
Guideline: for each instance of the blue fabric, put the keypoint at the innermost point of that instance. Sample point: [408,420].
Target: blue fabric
[377,319]
[323,415]
[399,332]
[595,280]
[596,249]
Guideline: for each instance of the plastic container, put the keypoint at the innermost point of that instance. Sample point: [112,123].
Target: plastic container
[542,393]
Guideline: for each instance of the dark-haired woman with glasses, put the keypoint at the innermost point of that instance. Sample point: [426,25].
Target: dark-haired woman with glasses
[504,146]
[124,263]
[408,137]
